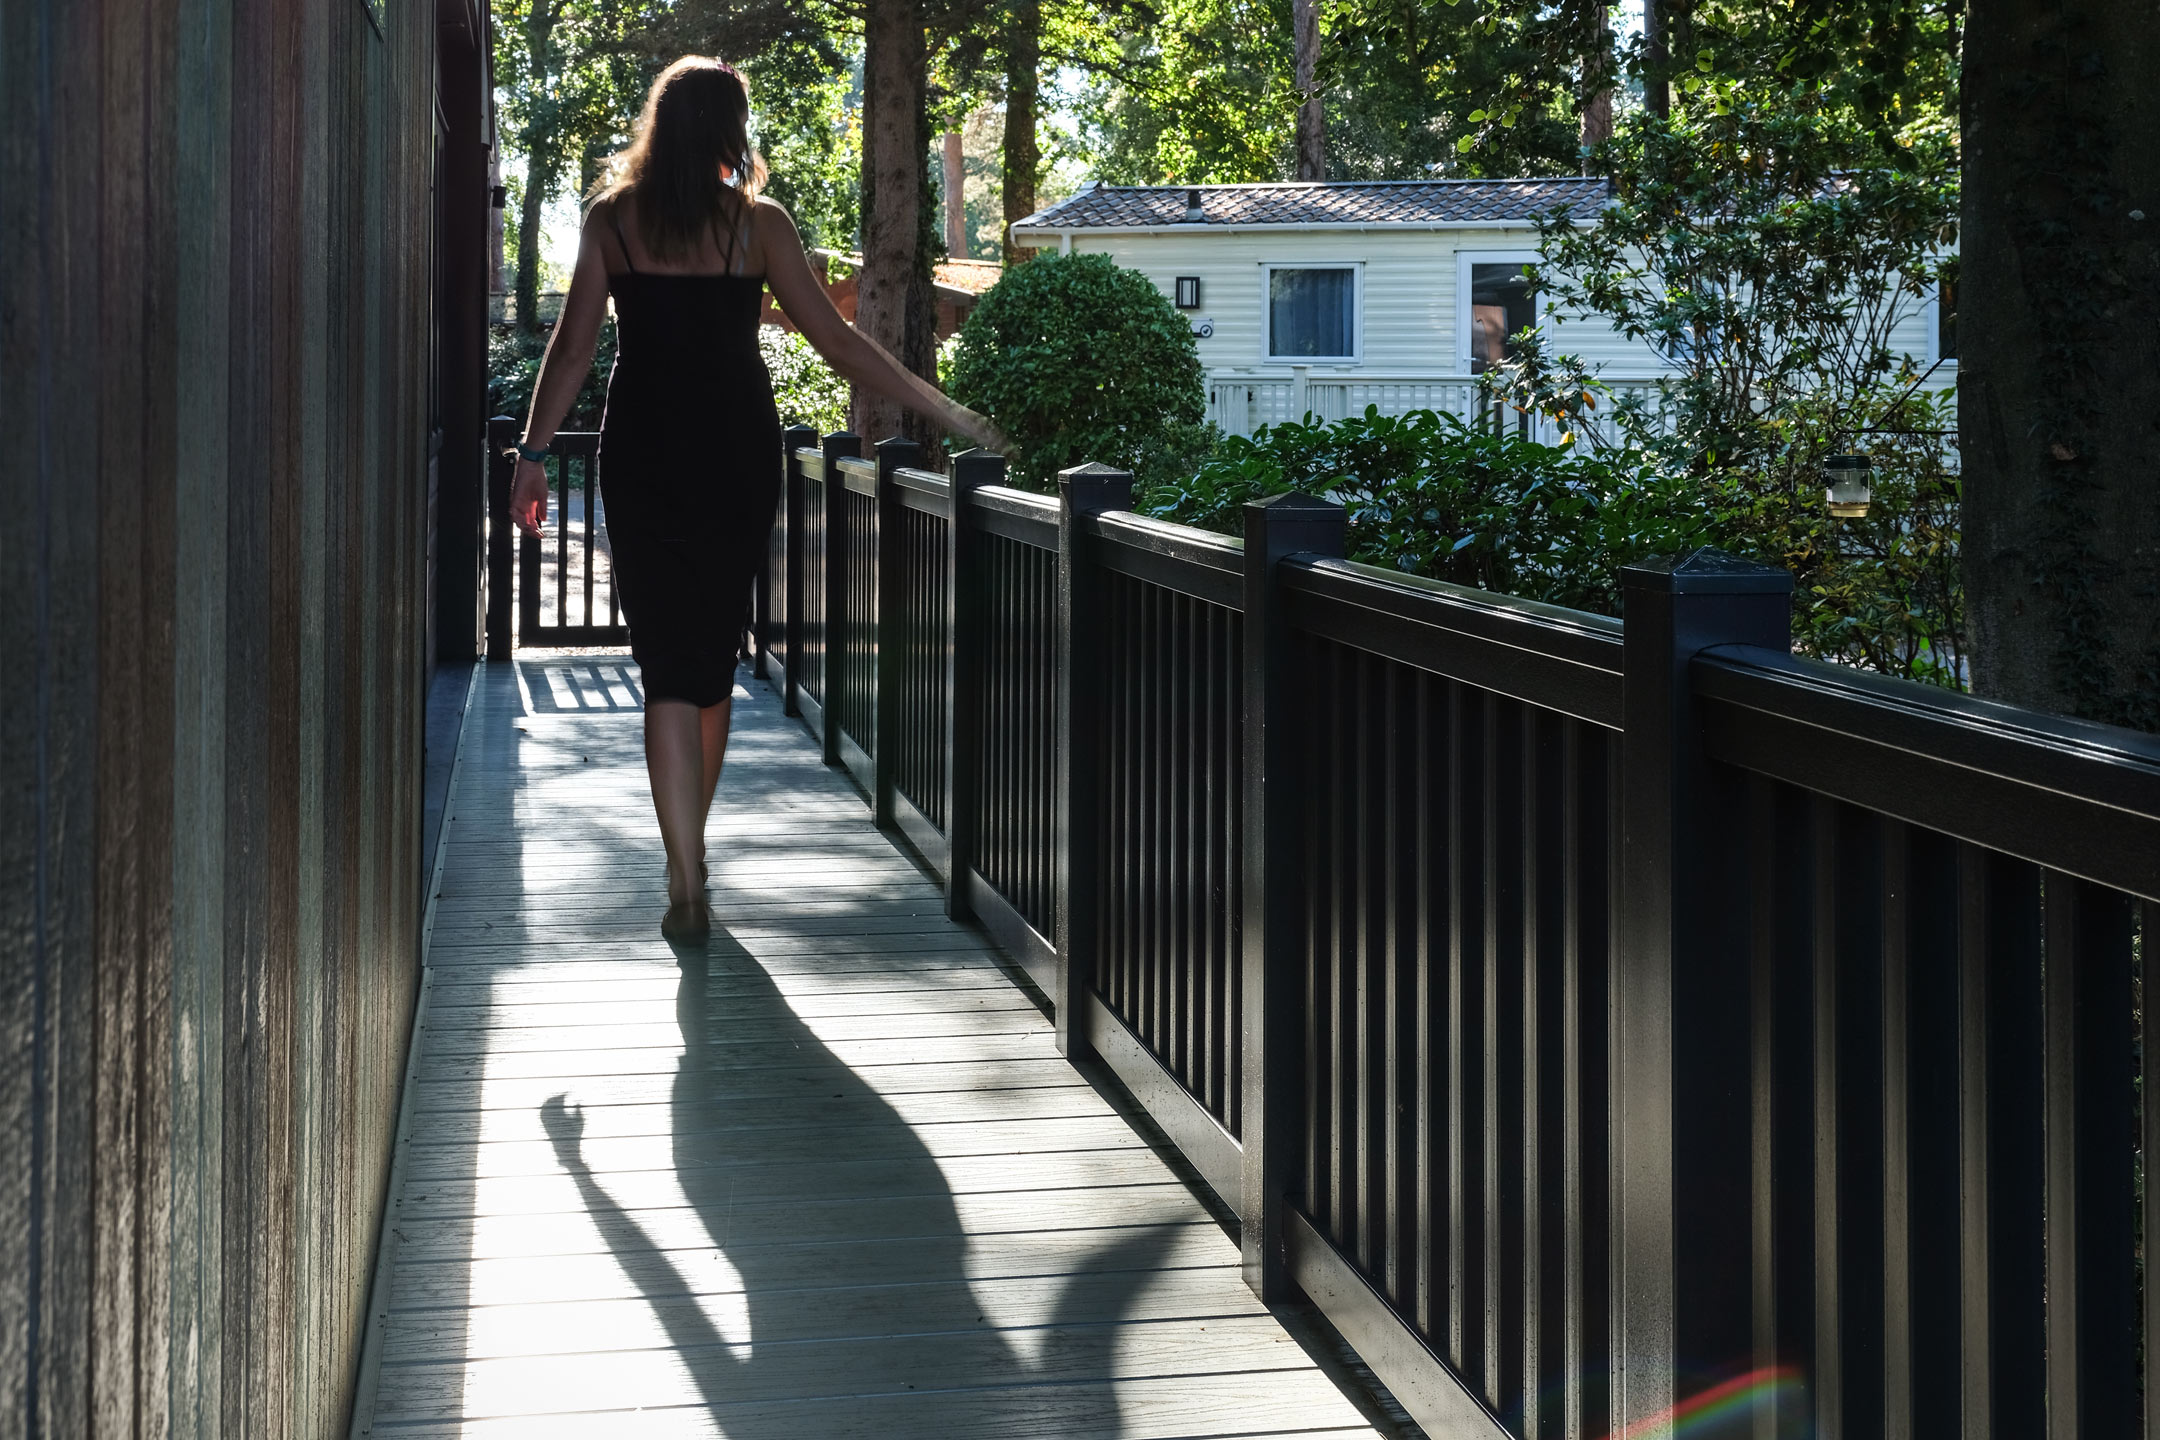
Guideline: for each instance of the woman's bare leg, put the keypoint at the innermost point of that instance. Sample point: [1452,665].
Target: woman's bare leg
[675,761]
[713,723]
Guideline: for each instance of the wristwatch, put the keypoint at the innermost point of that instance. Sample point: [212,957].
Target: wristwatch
[534,453]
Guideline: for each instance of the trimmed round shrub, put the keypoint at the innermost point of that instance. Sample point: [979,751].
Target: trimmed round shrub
[1076,360]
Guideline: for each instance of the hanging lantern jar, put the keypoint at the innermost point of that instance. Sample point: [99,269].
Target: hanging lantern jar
[1848,494]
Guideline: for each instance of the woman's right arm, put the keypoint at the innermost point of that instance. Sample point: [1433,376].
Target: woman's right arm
[853,354]
[562,375]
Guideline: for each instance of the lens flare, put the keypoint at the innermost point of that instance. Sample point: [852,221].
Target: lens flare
[1699,1417]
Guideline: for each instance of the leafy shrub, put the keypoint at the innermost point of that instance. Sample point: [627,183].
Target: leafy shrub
[1079,360]
[1433,495]
[1769,250]
[514,367]
[805,388]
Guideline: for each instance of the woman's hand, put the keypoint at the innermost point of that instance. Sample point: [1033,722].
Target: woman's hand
[529,496]
[978,428]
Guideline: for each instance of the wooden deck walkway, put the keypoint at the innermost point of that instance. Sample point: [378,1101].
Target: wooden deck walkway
[828,1179]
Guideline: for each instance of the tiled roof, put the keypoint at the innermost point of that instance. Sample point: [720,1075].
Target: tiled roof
[1373,202]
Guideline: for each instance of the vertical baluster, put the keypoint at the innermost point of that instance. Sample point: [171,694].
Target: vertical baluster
[1897,1123]
[1466,1013]
[1430,887]
[1544,1304]
[2092,1375]
[1590,823]
[833,564]
[501,535]
[1930,1274]
[795,439]
[586,460]
[888,636]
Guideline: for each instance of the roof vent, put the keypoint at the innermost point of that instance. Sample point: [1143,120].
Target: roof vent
[1194,215]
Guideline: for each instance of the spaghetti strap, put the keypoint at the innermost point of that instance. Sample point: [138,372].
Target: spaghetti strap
[620,241]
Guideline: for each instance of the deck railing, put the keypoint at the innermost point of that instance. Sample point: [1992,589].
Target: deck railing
[564,577]
[1584,1018]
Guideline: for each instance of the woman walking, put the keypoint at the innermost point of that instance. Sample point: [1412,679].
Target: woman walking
[690,458]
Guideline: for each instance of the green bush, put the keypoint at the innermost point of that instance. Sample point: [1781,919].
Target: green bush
[514,367]
[1079,360]
[1432,495]
[805,389]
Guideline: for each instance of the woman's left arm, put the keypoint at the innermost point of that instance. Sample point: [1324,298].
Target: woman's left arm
[562,374]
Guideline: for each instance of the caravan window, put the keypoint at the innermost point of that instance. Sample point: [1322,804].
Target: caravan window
[1312,312]
[1501,307]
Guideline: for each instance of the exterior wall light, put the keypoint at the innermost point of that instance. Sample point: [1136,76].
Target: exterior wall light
[1188,292]
[1848,494]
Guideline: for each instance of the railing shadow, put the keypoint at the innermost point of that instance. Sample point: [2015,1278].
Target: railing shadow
[815,1332]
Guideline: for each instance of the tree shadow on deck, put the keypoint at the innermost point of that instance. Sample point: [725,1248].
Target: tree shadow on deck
[862,1314]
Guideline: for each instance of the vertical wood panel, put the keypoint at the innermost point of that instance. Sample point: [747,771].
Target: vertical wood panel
[214,615]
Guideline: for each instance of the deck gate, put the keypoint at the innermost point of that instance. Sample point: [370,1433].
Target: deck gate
[564,579]
[1600,1024]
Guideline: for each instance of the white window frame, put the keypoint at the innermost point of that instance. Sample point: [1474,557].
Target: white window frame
[1464,259]
[1357,312]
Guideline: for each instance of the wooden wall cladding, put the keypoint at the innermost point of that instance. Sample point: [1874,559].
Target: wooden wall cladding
[214,287]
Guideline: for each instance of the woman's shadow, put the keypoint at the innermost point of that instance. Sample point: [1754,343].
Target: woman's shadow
[845,1234]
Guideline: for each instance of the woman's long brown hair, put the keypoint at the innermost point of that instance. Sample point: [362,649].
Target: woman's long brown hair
[696,120]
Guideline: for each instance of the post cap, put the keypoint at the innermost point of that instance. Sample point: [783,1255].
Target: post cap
[1093,488]
[1295,505]
[1707,571]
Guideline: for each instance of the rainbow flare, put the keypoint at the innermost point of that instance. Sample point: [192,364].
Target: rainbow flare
[1699,1414]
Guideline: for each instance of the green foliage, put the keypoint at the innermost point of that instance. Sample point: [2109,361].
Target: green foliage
[1433,495]
[805,389]
[1203,91]
[1079,360]
[810,133]
[1754,244]
[514,367]
[1754,249]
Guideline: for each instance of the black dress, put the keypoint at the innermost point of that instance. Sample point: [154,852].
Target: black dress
[689,470]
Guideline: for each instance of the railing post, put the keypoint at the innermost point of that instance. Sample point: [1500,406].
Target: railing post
[502,434]
[1085,491]
[1679,992]
[1272,1039]
[838,446]
[529,556]
[971,471]
[892,453]
[792,439]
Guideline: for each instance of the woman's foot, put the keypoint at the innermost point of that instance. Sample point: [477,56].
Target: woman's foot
[687,922]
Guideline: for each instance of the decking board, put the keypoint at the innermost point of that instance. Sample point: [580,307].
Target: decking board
[827,1177]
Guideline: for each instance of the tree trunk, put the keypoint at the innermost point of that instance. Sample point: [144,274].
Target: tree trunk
[1657,61]
[1597,73]
[956,238]
[528,254]
[1311,117]
[542,166]
[2059,335]
[1022,157]
[894,303]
